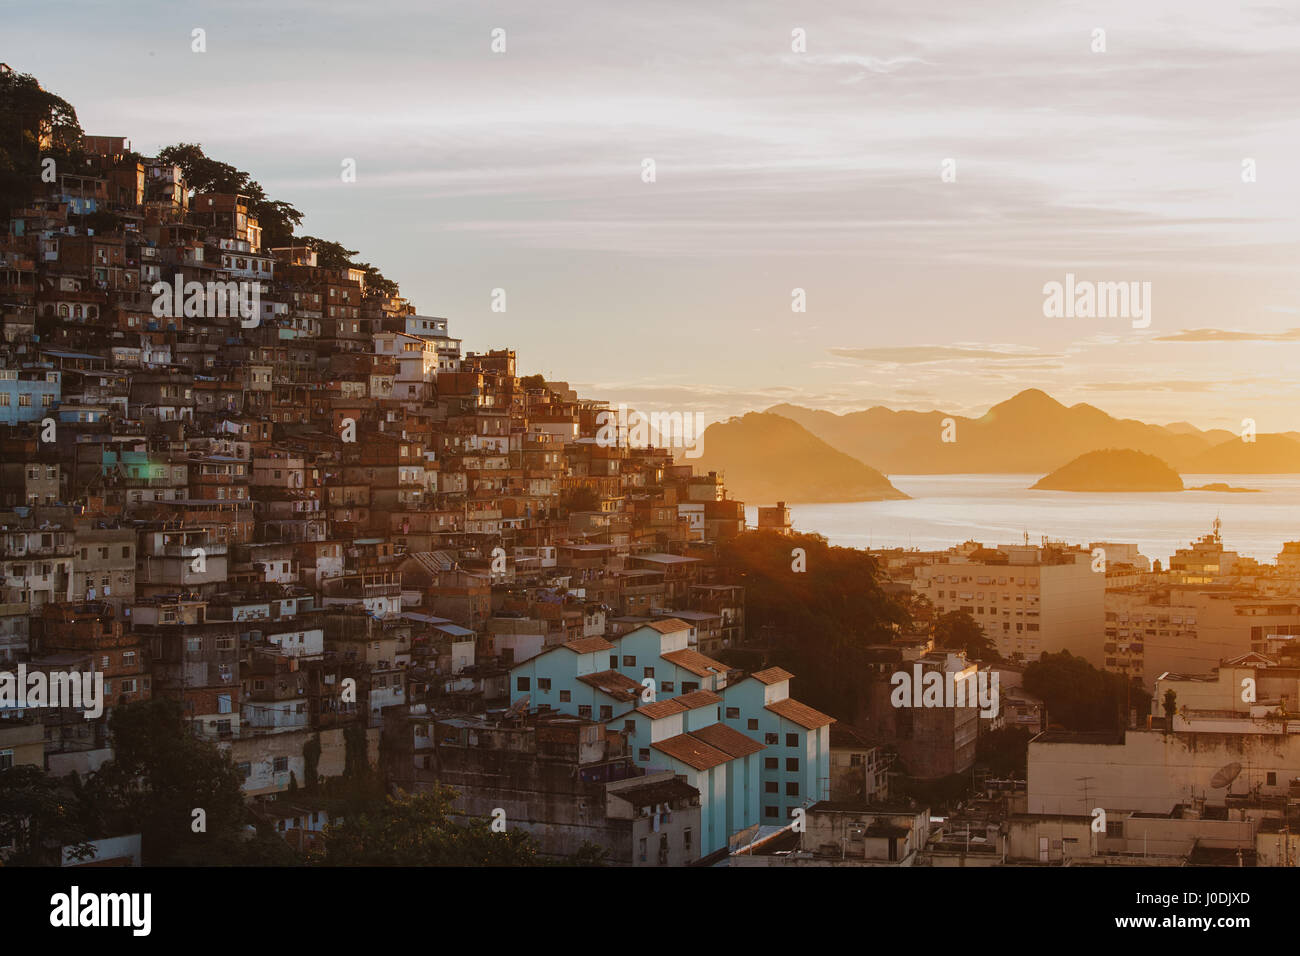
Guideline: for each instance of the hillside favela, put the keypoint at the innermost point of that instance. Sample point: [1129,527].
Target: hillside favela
[296,571]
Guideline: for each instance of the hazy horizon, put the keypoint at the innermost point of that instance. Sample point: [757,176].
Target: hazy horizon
[775,170]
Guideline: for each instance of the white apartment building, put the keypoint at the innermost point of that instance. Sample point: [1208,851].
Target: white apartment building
[1029,600]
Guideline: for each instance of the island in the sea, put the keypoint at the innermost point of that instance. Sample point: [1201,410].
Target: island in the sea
[1223,486]
[1113,469]
[767,457]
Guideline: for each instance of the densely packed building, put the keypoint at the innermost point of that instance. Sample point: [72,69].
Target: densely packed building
[258,485]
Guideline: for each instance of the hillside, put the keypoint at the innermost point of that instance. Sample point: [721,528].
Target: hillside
[1267,454]
[765,458]
[1114,469]
[1029,432]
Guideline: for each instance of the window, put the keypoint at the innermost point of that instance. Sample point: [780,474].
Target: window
[792,764]
[752,723]
[584,710]
[245,769]
[613,662]
[565,696]
[522,683]
[629,660]
[6,759]
[648,672]
[606,712]
[690,686]
[771,812]
[771,787]
[771,739]
[629,726]
[771,763]
[687,836]
[1271,779]
[792,789]
[641,849]
[733,713]
[643,754]
[792,740]
[667,686]
[544,684]
[280,765]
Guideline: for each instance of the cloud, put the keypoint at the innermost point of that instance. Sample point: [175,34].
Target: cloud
[924,354]
[1230,335]
[1170,386]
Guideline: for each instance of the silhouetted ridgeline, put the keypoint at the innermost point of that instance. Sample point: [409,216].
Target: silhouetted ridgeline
[769,458]
[1032,432]
[1114,469]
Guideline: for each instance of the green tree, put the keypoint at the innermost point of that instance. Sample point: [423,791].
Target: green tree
[35,125]
[206,175]
[1005,752]
[818,622]
[376,283]
[39,814]
[417,830]
[958,630]
[1079,696]
[329,255]
[160,775]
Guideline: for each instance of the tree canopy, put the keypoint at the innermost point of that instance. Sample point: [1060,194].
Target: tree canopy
[816,622]
[1079,696]
[417,830]
[959,631]
[35,124]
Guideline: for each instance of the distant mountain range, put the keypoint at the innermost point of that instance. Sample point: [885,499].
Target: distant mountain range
[768,458]
[1032,432]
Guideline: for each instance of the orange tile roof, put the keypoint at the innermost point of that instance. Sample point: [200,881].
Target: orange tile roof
[669,625]
[773,675]
[801,714]
[699,698]
[586,645]
[614,684]
[695,662]
[692,752]
[729,741]
[662,708]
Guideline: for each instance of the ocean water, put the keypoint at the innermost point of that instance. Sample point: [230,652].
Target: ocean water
[1000,509]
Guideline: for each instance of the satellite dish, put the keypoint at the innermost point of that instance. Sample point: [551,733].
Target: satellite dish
[1224,776]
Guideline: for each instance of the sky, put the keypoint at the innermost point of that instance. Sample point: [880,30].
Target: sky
[920,170]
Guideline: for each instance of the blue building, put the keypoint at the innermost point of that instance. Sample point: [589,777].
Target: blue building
[797,762]
[28,395]
[752,752]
